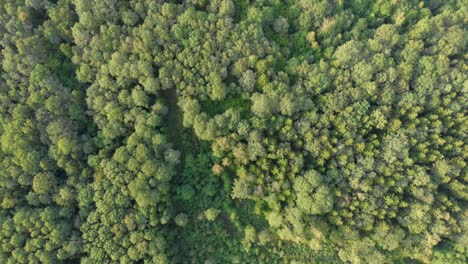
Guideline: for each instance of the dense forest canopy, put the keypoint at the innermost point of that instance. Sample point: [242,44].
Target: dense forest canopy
[233,131]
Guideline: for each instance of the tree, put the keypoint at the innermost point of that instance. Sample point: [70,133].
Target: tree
[281,25]
[140,98]
[348,54]
[181,220]
[247,81]
[263,105]
[172,156]
[211,214]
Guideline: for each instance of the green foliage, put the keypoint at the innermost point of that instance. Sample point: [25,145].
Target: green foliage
[232,131]
[181,220]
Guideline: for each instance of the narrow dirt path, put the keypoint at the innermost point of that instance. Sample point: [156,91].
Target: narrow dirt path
[174,117]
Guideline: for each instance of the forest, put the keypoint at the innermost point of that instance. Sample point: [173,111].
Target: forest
[234,131]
